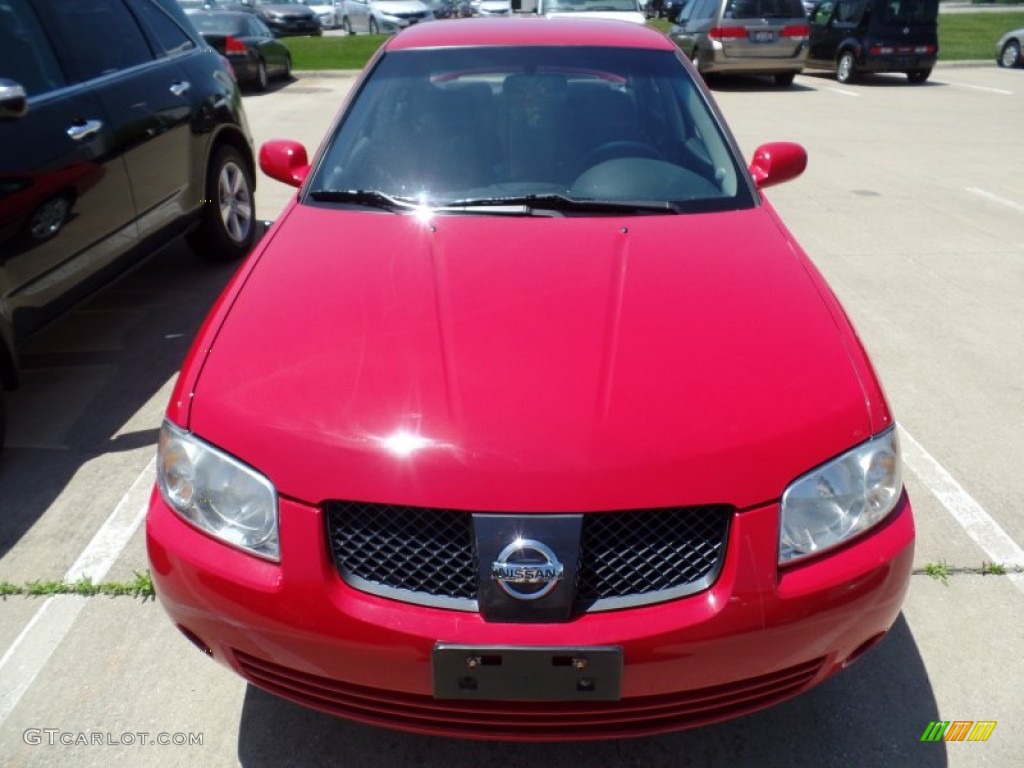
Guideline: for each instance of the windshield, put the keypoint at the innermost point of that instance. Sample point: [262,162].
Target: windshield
[487,125]
[909,12]
[764,9]
[218,24]
[589,6]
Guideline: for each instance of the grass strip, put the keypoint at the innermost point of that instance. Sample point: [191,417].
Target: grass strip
[140,587]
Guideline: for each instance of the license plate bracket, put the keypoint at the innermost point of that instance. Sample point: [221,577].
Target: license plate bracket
[549,673]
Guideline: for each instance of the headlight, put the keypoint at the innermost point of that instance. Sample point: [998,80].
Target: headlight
[840,499]
[217,493]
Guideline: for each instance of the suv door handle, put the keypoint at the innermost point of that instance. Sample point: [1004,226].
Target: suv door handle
[180,88]
[86,128]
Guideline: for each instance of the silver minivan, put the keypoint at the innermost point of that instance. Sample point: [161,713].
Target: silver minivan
[761,37]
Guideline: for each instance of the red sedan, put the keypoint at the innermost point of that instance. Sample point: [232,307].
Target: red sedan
[529,419]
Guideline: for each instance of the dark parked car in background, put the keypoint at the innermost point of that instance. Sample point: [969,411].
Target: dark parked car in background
[255,54]
[288,17]
[852,37]
[120,129]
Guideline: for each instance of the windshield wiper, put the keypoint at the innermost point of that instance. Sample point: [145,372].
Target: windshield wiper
[368,197]
[555,202]
[519,205]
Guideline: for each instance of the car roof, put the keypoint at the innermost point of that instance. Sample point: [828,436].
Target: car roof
[528,32]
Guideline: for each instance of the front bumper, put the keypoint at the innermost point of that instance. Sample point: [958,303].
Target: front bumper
[397,23]
[896,63]
[295,28]
[756,637]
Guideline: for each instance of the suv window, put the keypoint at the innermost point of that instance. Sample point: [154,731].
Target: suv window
[115,40]
[822,13]
[705,9]
[764,9]
[908,11]
[26,56]
[849,11]
[170,37]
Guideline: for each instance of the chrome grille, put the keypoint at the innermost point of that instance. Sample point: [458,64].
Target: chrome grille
[626,558]
[411,550]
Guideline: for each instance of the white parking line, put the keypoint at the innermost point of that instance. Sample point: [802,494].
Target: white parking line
[31,649]
[979,525]
[841,92]
[996,199]
[1000,91]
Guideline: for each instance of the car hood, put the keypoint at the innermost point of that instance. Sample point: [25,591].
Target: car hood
[528,364]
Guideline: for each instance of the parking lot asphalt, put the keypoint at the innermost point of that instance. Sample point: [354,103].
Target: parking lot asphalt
[910,206]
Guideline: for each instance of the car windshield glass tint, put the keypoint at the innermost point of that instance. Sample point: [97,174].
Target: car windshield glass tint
[217,24]
[479,125]
[764,9]
[590,6]
[909,12]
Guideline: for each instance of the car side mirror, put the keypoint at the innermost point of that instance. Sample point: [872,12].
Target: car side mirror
[13,100]
[285,161]
[777,162]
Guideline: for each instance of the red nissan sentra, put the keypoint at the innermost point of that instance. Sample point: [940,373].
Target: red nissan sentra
[529,419]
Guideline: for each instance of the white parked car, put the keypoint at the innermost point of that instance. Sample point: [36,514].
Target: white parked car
[328,11]
[382,16]
[623,10]
[493,8]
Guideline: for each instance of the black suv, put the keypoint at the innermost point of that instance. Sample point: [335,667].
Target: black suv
[855,36]
[119,129]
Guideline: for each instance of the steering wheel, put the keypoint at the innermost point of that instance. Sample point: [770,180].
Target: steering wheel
[611,150]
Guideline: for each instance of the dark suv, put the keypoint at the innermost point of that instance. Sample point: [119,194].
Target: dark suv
[855,36]
[119,129]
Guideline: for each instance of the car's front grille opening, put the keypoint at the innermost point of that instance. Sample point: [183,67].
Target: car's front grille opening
[627,555]
[626,558]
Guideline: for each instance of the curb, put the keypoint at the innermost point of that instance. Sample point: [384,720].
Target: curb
[300,73]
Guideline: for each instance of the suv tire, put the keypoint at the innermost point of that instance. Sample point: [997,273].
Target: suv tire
[228,226]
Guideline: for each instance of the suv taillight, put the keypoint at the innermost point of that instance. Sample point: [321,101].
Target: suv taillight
[796,31]
[727,33]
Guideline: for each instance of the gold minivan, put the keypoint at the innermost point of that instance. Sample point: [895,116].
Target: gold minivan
[750,37]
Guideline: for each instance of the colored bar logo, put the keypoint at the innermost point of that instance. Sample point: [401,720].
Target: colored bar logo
[959,730]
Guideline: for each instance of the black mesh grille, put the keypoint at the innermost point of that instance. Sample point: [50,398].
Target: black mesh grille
[429,551]
[624,556]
